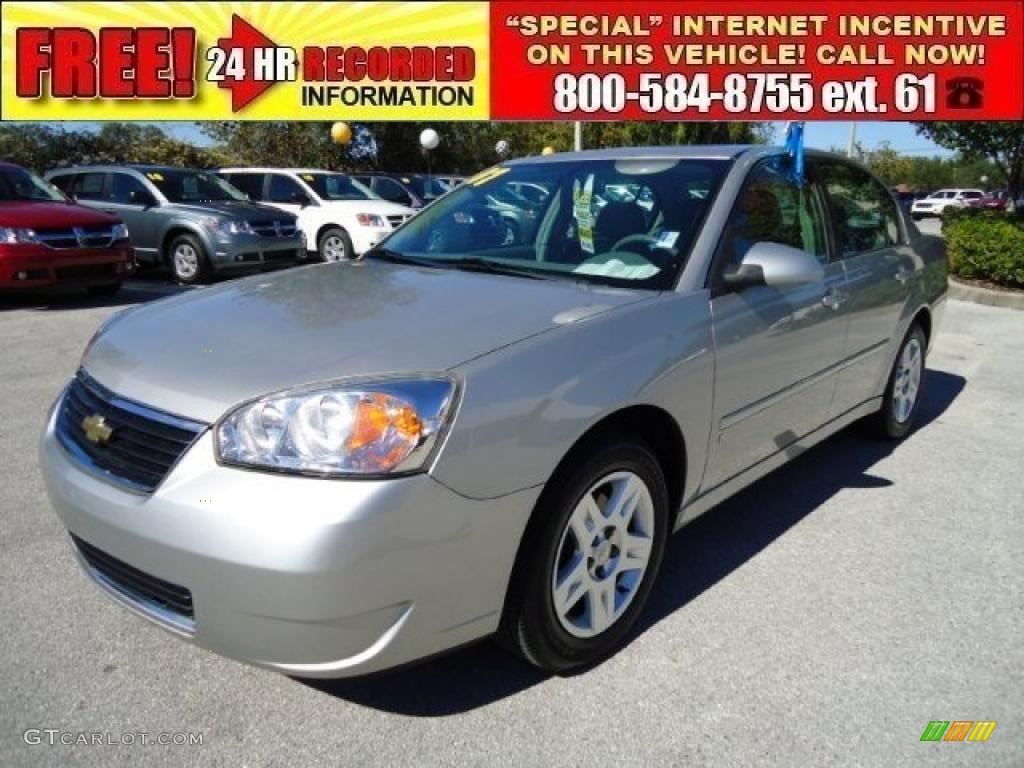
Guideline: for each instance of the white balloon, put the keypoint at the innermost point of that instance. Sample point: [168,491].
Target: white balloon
[502,147]
[429,139]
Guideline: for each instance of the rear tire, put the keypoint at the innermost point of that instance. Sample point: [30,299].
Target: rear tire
[335,245]
[188,260]
[588,559]
[906,385]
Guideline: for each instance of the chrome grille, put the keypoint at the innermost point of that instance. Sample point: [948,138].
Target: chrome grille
[141,445]
[88,236]
[274,228]
[397,220]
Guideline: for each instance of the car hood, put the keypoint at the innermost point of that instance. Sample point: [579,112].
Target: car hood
[232,209]
[198,354]
[41,215]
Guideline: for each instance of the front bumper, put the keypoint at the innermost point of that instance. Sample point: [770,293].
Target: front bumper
[365,238]
[310,577]
[39,266]
[244,251]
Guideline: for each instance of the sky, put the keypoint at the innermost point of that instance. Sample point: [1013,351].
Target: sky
[821,135]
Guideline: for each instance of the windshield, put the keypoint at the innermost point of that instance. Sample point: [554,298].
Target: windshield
[19,184]
[426,187]
[183,186]
[336,186]
[616,222]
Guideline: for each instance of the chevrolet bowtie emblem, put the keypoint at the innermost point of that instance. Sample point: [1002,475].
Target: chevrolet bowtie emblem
[96,429]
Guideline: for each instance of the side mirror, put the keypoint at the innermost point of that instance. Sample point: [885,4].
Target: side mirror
[300,199]
[777,265]
[139,197]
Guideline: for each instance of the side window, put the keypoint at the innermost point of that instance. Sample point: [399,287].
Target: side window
[249,183]
[123,187]
[283,189]
[863,211]
[772,208]
[88,186]
[392,190]
[63,182]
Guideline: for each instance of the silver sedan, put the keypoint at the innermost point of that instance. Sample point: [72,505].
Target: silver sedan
[345,467]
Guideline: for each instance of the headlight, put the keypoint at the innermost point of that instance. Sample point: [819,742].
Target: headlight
[17,235]
[119,232]
[349,428]
[230,226]
[370,220]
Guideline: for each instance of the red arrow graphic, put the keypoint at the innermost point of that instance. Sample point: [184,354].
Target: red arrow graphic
[246,38]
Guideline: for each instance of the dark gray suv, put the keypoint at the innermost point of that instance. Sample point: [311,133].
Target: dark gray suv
[190,221]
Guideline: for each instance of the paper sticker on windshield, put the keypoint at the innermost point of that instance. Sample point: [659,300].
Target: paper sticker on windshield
[309,177]
[155,176]
[667,239]
[582,196]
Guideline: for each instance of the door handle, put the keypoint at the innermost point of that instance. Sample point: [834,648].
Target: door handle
[833,298]
[903,274]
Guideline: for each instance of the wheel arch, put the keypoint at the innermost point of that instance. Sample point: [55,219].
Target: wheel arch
[651,425]
[175,230]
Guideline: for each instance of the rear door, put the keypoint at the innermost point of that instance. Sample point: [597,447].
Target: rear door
[776,349]
[872,242]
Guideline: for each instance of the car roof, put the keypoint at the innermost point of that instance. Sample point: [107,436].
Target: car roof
[269,169]
[692,151]
[138,167]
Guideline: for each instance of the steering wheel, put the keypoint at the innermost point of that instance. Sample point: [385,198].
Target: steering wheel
[641,239]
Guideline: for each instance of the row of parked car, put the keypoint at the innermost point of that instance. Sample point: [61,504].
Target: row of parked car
[922,205]
[92,225]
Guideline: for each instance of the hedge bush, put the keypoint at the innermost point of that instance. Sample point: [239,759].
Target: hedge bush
[985,245]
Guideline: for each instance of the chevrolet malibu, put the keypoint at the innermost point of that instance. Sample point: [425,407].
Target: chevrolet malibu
[349,466]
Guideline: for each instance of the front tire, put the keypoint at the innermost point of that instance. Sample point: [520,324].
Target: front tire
[588,559]
[188,260]
[335,245]
[906,385]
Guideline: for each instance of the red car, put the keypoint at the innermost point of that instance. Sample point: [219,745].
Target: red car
[47,240]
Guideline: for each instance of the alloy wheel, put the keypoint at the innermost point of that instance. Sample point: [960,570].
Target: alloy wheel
[186,261]
[334,248]
[603,555]
[908,381]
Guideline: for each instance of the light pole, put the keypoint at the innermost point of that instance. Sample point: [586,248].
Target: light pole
[577,136]
[853,139]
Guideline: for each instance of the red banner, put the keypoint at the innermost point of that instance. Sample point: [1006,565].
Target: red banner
[758,60]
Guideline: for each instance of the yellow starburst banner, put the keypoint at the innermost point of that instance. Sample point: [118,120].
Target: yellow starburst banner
[292,60]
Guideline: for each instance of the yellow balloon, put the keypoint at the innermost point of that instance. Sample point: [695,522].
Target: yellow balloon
[341,133]
[548,151]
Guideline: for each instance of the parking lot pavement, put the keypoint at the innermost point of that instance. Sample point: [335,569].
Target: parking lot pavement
[822,617]
[932,226]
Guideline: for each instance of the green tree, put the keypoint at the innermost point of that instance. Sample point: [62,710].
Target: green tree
[465,147]
[1002,143]
[42,147]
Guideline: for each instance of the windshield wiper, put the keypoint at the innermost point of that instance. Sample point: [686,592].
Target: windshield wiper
[387,254]
[478,264]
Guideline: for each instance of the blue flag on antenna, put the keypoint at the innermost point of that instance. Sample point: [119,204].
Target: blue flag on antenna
[795,149]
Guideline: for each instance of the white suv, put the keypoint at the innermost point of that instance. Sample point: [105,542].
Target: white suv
[937,202]
[339,218]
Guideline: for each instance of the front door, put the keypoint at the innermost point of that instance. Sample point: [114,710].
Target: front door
[129,198]
[879,270]
[776,349]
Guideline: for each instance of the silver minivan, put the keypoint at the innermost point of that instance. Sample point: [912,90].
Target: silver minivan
[349,466]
